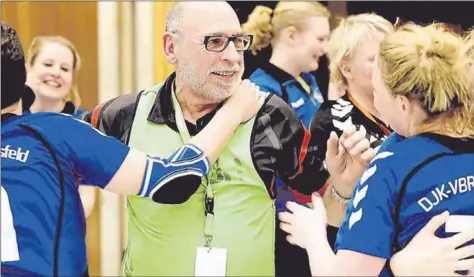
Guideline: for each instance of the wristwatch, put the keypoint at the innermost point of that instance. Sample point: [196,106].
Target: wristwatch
[339,198]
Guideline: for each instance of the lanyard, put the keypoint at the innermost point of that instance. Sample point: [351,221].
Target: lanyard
[384,129]
[209,194]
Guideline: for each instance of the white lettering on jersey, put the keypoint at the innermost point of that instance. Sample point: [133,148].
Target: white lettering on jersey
[445,191]
[15,154]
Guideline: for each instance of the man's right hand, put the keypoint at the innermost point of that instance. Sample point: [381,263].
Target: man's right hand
[245,101]
[428,255]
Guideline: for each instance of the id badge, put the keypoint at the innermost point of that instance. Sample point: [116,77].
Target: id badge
[459,223]
[210,261]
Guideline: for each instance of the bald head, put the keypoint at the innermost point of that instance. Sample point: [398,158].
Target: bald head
[198,13]
[193,31]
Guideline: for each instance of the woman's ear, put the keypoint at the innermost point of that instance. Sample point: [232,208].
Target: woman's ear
[346,70]
[405,104]
[289,35]
[28,67]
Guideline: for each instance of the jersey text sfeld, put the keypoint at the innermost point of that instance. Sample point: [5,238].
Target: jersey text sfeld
[15,154]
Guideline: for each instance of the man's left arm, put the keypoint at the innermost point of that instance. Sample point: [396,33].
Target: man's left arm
[296,161]
[287,145]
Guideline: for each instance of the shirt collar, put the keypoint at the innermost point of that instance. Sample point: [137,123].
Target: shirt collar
[282,76]
[163,111]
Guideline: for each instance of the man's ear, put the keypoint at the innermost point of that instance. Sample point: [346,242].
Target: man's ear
[346,70]
[169,48]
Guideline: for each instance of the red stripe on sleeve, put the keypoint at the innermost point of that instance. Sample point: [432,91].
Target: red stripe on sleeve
[95,115]
[303,151]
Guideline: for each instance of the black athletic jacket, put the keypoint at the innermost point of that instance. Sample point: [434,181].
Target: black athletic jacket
[279,141]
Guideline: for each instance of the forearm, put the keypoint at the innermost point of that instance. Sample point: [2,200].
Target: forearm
[335,210]
[321,258]
[215,136]
[170,181]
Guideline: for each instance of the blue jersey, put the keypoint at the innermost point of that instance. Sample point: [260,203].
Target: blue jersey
[44,157]
[273,79]
[406,184]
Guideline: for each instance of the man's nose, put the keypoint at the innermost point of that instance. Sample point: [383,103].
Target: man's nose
[231,54]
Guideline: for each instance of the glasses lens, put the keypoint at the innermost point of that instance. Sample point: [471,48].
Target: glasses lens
[243,42]
[216,43]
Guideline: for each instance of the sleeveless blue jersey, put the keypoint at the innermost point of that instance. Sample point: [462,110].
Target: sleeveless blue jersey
[406,184]
[44,157]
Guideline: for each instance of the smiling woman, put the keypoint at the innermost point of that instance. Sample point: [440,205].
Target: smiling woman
[52,65]
[297,33]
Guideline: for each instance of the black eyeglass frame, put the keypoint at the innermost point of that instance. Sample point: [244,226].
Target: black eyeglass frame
[229,39]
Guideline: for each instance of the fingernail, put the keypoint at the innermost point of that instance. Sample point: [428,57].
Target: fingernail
[317,194]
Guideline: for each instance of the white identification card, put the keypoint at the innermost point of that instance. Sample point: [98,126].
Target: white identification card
[459,223]
[211,261]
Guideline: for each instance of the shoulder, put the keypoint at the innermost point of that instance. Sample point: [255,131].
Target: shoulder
[335,114]
[46,118]
[324,115]
[402,155]
[109,110]
[278,110]
[113,116]
[265,81]
[55,122]
[392,139]
[54,127]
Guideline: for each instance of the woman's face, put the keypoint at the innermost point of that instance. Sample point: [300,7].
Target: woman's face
[389,108]
[51,74]
[311,43]
[362,64]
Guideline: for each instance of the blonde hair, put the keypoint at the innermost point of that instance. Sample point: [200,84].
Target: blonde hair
[347,37]
[266,24]
[428,64]
[35,48]
[470,44]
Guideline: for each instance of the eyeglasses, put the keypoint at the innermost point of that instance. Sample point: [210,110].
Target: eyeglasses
[220,43]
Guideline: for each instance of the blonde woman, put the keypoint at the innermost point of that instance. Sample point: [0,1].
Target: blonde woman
[297,33]
[423,89]
[52,66]
[351,50]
